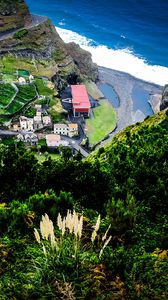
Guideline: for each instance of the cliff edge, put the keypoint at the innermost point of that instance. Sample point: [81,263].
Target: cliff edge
[37,47]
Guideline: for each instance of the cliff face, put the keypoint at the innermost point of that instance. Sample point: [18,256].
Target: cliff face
[83,60]
[38,48]
[13,14]
[164,101]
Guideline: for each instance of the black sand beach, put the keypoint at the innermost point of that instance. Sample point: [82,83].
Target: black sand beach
[127,87]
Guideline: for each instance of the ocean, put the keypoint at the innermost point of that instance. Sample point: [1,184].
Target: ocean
[125,35]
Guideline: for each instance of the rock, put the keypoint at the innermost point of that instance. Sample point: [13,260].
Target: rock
[83,60]
[155,101]
[13,14]
[164,100]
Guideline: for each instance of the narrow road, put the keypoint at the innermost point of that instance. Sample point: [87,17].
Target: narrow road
[72,142]
[75,145]
[36,20]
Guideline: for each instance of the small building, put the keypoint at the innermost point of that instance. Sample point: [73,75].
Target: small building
[37,122]
[30,124]
[61,129]
[22,80]
[53,140]
[26,123]
[80,100]
[23,122]
[72,129]
[15,127]
[38,113]
[34,139]
[38,106]
[46,120]
[31,138]
[20,138]
[31,77]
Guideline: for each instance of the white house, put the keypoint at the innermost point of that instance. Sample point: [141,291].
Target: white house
[70,130]
[23,122]
[30,126]
[26,123]
[31,77]
[37,122]
[61,129]
[22,80]
[46,120]
[20,138]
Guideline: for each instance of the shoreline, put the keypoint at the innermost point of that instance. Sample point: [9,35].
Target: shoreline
[123,84]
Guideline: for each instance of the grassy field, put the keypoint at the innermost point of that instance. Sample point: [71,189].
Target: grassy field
[103,122]
[93,90]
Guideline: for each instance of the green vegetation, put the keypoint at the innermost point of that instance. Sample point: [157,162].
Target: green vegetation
[19,34]
[102,123]
[56,111]
[25,94]
[121,254]
[43,89]
[10,64]
[93,90]
[7,92]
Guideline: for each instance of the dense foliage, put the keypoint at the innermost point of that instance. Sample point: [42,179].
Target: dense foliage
[126,182]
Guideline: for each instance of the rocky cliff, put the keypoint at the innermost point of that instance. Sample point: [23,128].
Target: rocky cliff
[38,48]
[13,14]
[164,101]
[83,60]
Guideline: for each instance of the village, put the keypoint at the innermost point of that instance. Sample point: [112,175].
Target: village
[41,126]
[32,110]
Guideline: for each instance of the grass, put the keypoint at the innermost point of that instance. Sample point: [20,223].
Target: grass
[93,90]
[26,94]
[57,112]
[10,64]
[43,88]
[103,122]
[6,94]
[41,158]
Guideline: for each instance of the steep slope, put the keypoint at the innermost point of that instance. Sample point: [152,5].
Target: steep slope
[13,14]
[37,47]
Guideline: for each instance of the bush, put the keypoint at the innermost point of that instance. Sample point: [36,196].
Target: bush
[21,33]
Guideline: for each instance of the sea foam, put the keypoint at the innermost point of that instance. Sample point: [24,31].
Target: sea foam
[124,60]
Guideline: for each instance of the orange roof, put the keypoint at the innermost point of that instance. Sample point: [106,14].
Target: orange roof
[73,126]
[80,98]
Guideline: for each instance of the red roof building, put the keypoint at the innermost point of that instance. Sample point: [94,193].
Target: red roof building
[80,100]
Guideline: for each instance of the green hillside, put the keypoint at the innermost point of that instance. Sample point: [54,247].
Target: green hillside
[120,255]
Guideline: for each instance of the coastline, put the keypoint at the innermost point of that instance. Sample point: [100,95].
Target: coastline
[123,84]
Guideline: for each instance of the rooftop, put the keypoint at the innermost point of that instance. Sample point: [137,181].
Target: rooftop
[73,126]
[60,125]
[80,98]
[53,137]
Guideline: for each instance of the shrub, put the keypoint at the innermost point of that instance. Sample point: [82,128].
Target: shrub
[21,33]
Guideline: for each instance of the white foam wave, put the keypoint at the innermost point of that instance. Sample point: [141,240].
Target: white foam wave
[122,59]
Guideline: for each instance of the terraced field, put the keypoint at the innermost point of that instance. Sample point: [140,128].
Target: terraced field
[7,92]
[11,101]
